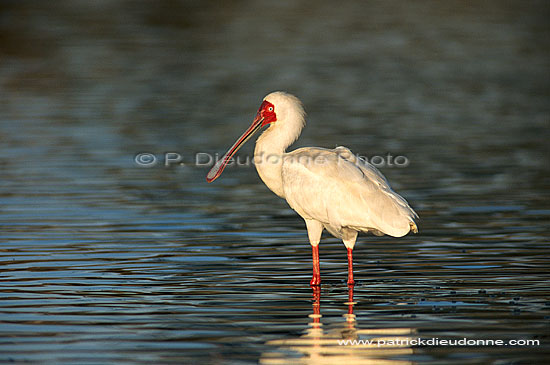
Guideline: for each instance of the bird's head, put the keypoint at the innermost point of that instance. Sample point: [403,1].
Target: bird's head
[278,109]
[286,108]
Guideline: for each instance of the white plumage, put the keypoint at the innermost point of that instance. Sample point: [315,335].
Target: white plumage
[341,191]
[329,189]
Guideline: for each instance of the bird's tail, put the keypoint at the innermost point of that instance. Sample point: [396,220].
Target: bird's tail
[414,228]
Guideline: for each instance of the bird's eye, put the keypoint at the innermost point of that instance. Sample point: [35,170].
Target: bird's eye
[270,108]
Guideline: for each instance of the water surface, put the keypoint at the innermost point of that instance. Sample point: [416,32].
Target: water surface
[106,261]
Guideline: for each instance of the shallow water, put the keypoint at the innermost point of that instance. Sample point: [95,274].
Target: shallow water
[107,261]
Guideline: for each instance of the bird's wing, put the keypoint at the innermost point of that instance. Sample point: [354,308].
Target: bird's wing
[373,174]
[341,190]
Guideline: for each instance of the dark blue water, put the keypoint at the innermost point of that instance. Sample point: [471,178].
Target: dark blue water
[106,261]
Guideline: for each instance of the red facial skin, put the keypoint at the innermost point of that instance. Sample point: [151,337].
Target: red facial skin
[266,111]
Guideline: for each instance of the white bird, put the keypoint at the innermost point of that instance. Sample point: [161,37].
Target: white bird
[329,189]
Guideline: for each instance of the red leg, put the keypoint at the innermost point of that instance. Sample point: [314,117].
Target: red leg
[350,267]
[316,305]
[316,279]
[350,300]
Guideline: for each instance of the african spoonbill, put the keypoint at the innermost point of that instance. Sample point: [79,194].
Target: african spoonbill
[329,189]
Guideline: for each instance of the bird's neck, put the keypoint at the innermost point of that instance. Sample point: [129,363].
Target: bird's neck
[270,150]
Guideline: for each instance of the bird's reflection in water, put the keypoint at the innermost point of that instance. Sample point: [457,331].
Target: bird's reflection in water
[327,346]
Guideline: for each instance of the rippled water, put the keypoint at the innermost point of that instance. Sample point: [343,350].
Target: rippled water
[104,261]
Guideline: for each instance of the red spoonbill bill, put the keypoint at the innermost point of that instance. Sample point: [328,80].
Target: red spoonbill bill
[329,189]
